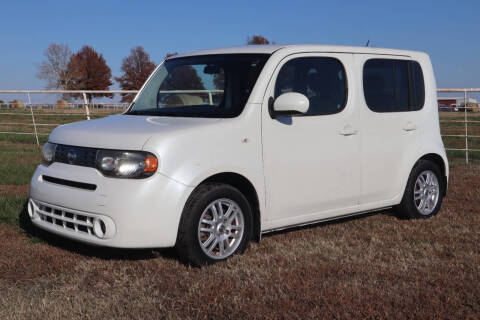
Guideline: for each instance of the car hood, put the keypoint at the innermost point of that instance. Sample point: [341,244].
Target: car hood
[122,131]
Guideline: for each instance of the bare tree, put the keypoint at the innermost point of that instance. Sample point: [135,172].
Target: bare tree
[136,69]
[54,68]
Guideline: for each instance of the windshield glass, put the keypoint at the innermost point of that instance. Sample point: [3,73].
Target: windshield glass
[210,86]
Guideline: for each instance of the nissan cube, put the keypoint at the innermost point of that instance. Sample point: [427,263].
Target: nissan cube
[221,146]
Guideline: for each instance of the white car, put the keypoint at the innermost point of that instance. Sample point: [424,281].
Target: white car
[220,146]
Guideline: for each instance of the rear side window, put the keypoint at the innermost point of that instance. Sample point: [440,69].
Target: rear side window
[393,85]
[321,79]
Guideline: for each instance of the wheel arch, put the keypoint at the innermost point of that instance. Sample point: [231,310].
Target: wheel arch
[440,162]
[246,187]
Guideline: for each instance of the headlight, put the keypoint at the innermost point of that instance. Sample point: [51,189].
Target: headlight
[48,152]
[126,164]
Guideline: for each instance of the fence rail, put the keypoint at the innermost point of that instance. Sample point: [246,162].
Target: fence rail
[459,123]
[467,109]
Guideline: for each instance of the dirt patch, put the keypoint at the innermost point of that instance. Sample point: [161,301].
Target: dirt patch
[12,189]
[21,259]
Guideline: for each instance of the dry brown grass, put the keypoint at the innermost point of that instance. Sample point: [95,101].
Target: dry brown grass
[13,189]
[377,266]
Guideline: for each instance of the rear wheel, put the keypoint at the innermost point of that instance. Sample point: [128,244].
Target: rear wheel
[216,224]
[424,191]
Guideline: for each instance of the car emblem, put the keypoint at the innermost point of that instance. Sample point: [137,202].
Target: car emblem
[71,156]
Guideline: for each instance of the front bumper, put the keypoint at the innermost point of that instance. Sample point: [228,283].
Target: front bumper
[123,213]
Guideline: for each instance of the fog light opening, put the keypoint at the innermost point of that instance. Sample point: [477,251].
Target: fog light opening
[30,209]
[99,228]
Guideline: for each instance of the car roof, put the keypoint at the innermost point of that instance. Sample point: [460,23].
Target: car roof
[269,49]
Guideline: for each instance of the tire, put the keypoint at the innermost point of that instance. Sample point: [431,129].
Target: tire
[422,202]
[204,230]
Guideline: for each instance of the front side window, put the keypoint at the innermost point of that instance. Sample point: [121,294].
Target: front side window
[393,85]
[321,79]
[210,86]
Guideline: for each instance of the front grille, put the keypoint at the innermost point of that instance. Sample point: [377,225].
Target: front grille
[80,156]
[65,220]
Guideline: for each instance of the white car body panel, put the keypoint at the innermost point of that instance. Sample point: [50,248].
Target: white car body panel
[295,147]
[327,176]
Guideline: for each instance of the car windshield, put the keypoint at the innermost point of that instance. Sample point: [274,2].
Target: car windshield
[207,86]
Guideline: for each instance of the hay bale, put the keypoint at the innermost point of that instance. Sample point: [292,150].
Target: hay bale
[17,104]
[62,104]
[471,107]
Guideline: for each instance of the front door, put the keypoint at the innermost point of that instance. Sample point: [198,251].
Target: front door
[311,161]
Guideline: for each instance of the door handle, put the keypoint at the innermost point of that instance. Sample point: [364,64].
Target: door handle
[348,130]
[409,126]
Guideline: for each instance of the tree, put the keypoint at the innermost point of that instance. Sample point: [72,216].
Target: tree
[182,78]
[257,39]
[89,71]
[170,54]
[54,68]
[136,69]
[219,81]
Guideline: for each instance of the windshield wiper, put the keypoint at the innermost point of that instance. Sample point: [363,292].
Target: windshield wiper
[137,112]
[155,112]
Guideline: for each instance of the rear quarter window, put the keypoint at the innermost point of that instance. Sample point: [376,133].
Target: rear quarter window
[393,85]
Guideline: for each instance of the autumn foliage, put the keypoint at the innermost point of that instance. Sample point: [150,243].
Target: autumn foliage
[182,78]
[257,39]
[170,54]
[89,71]
[136,68]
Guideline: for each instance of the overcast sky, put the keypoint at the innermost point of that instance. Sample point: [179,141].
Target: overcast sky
[446,30]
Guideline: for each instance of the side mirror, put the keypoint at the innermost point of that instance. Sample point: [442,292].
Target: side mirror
[290,103]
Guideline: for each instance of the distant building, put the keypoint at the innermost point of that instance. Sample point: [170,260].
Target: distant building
[457,104]
[457,101]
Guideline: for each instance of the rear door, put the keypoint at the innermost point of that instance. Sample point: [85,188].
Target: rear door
[390,130]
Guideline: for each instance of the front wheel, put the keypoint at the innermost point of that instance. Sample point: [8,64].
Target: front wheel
[216,224]
[424,191]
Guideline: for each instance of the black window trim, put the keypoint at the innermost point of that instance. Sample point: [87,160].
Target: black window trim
[314,56]
[411,87]
[415,88]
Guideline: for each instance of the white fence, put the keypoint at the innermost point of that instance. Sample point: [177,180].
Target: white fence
[463,124]
[32,107]
[470,121]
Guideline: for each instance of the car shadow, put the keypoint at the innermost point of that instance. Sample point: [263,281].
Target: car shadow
[107,253]
[104,253]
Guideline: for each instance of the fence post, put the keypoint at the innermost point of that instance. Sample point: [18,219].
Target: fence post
[466,126]
[85,101]
[210,100]
[33,118]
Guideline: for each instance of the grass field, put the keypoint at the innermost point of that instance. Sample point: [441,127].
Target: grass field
[374,266]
